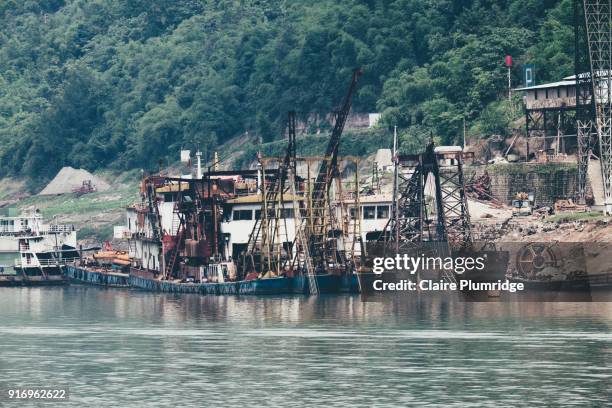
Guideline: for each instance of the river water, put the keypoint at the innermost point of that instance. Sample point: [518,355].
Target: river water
[135,349]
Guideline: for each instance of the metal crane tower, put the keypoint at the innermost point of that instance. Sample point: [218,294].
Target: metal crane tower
[598,23]
[319,197]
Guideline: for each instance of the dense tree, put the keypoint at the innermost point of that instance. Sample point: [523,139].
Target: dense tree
[124,83]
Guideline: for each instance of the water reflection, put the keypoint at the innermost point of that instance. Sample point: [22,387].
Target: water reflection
[127,348]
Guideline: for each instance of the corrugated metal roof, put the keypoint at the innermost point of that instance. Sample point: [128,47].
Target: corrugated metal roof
[567,81]
[256,198]
[548,85]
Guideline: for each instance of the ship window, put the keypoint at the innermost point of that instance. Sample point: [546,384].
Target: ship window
[369,212]
[258,214]
[287,213]
[382,211]
[536,94]
[558,92]
[353,211]
[240,215]
[546,93]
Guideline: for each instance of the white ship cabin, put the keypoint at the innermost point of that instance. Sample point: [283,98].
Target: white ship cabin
[41,252]
[243,213]
[31,224]
[375,213]
[240,217]
[14,226]
[138,231]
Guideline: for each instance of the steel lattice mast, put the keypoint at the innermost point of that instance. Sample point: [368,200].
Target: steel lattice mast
[412,222]
[265,246]
[598,18]
[585,104]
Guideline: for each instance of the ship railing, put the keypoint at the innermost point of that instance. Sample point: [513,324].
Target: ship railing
[46,230]
[43,262]
[61,228]
[56,228]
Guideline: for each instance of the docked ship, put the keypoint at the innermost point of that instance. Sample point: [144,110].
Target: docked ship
[33,251]
[292,225]
[13,227]
[221,232]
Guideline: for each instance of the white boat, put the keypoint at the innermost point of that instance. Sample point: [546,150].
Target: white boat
[38,261]
[32,225]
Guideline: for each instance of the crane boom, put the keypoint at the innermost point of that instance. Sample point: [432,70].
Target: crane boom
[330,160]
[321,207]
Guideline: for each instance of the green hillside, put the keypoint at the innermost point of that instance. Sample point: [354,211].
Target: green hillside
[120,84]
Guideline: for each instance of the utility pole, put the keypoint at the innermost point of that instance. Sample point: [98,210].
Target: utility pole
[464,134]
[509,86]
[509,66]
[394,205]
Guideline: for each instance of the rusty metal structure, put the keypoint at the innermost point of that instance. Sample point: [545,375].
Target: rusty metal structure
[189,236]
[320,213]
[319,205]
[415,219]
[193,235]
[86,187]
[440,219]
[267,250]
[598,20]
[331,228]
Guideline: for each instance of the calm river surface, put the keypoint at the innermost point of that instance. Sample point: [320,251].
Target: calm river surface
[135,349]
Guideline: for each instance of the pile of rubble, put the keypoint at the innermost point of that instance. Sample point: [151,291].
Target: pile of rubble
[70,180]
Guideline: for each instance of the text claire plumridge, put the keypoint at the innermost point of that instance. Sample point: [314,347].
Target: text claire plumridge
[458,265]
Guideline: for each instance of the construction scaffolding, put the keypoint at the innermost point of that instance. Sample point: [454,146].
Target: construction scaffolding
[430,204]
[598,30]
[269,249]
[321,238]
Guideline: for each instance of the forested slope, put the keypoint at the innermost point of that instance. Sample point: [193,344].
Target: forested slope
[120,84]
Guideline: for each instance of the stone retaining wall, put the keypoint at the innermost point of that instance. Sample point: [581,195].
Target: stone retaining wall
[549,181]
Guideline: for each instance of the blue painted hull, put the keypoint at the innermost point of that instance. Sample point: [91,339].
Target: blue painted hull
[271,286]
[113,279]
[326,283]
[349,283]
